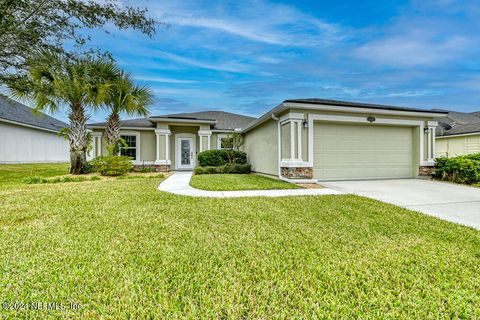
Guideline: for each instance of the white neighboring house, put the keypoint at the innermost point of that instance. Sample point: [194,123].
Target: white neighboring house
[27,137]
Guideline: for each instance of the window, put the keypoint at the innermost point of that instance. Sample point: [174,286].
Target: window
[224,142]
[131,150]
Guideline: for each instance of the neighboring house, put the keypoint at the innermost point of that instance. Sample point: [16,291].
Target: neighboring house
[30,137]
[458,134]
[299,139]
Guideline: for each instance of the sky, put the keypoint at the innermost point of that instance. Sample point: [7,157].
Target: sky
[248,56]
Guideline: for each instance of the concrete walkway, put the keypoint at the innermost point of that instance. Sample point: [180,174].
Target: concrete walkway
[179,183]
[447,201]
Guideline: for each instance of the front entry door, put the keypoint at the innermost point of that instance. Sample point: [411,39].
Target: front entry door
[185,155]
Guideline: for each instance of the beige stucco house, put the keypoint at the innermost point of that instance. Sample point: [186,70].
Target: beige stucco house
[307,139]
[458,134]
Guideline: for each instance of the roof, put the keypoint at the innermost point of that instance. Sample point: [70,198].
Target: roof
[360,105]
[14,111]
[220,120]
[224,120]
[332,104]
[132,123]
[456,123]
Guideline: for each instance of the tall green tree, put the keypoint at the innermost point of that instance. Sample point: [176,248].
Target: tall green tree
[76,84]
[125,97]
[27,26]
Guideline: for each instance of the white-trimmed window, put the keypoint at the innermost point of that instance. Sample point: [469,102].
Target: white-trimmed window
[224,141]
[131,149]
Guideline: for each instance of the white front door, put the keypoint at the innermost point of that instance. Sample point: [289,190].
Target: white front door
[185,152]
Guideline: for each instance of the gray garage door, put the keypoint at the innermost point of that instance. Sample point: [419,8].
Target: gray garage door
[349,151]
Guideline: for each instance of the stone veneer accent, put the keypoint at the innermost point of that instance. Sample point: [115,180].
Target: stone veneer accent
[156,167]
[297,173]
[425,171]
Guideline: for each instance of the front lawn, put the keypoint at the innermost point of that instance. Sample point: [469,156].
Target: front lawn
[122,249]
[226,182]
[11,173]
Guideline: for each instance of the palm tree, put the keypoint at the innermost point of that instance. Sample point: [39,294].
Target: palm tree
[75,84]
[125,96]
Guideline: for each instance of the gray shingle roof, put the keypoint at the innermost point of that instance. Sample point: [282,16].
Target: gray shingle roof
[459,123]
[14,111]
[359,105]
[132,123]
[224,120]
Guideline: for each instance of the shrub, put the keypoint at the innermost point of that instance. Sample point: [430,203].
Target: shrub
[461,169]
[145,169]
[213,158]
[89,168]
[160,175]
[241,168]
[63,179]
[112,165]
[229,168]
[34,180]
[66,179]
[221,157]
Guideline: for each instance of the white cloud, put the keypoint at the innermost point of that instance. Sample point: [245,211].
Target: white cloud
[258,21]
[229,66]
[412,50]
[164,80]
[177,92]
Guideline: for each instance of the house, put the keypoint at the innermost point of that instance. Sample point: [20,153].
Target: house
[458,133]
[29,137]
[301,139]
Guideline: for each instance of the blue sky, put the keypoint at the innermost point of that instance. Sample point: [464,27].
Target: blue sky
[248,56]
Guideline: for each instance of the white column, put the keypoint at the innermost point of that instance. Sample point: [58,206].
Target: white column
[433,143]
[429,144]
[292,140]
[201,135]
[167,148]
[157,147]
[97,145]
[299,140]
[165,133]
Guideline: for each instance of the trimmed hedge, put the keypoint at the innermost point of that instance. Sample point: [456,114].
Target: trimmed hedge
[462,169]
[112,165]
[221,157]
[229,168]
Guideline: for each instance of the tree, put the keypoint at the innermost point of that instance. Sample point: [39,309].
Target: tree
[233,144]
[28,26]
[57,81]
[125,96]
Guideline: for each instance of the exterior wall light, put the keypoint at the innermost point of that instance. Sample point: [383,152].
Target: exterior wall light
[371,119]
[305,124]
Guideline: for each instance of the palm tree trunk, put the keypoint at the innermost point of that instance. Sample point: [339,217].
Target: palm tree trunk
[78,139]
[113,132]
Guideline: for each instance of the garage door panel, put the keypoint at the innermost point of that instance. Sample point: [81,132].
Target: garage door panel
[344,151]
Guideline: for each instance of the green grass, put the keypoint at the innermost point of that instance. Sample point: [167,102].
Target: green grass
[224,182]
[122,249]
[12,173]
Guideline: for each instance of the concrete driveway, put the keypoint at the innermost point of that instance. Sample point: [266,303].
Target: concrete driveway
[451,202]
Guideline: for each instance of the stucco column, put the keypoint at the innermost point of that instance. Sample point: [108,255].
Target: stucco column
[97,146]
[162,146]
[431,143]
[204,134]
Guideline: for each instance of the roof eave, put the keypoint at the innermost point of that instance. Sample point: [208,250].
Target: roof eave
[182,120]
[121,127]
[29,125]
[472,133]
[288,104]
